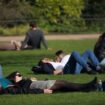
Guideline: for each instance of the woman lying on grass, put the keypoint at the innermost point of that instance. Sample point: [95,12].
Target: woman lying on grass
[47,86]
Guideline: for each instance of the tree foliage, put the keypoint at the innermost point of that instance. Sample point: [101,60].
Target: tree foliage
[13,12]
[56,15]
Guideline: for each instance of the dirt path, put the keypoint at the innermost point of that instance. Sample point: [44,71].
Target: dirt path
[54,37]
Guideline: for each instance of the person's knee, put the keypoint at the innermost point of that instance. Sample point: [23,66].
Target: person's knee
[89,51]
[74,53]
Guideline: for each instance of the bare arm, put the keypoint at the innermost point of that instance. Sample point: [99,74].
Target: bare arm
[57,72]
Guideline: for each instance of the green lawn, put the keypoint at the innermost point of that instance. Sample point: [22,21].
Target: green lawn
[23,61]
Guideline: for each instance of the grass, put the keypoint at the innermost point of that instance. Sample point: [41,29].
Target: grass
[24,60]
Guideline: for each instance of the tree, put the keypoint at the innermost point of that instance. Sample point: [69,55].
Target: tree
[59,12]
[14,12]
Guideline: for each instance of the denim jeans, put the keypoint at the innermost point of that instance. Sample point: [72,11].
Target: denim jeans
[76,62]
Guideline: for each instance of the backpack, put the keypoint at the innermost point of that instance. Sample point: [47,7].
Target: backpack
[37,70]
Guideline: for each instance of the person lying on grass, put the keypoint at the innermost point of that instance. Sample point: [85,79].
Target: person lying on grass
[73,63]
[6,86]
[51,86]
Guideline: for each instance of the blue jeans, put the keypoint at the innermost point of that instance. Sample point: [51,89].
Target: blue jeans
[76,62]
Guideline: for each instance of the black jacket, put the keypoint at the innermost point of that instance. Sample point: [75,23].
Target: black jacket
[19,90]
[24,83]
[22,87]
[99,49]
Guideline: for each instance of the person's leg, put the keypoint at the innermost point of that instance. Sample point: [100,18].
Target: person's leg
[75,58]
[88,55]
[7,47]
[65,86]
[17,44]
[1,74]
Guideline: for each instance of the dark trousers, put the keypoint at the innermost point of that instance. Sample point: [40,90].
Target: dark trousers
[65,86]
[47,68]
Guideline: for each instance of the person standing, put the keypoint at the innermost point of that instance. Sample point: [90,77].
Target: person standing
[34,38]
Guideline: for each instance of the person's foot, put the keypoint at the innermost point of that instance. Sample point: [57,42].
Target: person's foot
[100,70]
[92,86]
[17,44]
[91,72]
[103,84]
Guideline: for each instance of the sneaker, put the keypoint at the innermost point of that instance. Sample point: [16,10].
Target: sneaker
[100,70]
[91,72]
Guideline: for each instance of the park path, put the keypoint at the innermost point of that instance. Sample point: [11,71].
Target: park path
[54,37]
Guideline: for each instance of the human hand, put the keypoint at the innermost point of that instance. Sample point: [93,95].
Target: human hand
[47,91]
[33,79]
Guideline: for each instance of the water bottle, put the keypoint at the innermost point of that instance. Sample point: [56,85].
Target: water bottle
[99,86]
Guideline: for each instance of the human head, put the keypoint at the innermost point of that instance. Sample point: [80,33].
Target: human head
[59,55]
[33,25]
[15,76]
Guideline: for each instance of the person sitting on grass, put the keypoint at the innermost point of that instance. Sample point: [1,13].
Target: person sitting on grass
[34,38]
[70,64]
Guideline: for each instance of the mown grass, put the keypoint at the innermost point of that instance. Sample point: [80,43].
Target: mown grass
[24,60]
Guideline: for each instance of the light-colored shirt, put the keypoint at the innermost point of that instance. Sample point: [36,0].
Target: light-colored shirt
[65,59]
[60,65]
[57,65]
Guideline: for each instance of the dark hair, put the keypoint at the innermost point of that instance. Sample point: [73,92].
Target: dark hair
[12,75]
[59,52]
[33,24]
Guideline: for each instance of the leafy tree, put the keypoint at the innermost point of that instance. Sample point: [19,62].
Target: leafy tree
[59,12]
[14,12]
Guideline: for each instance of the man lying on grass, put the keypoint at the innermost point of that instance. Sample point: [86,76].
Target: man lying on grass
[27,86]
[73,63]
